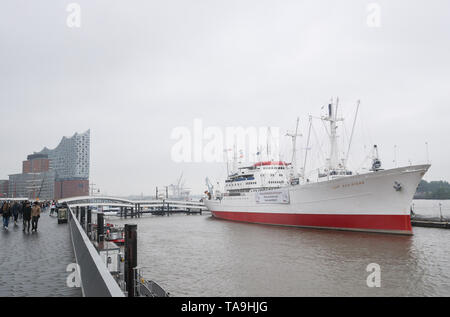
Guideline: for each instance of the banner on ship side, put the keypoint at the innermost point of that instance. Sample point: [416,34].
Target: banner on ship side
[279,196]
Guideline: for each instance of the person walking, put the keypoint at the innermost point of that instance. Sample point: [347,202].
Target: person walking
[26,216]
[6,213]
[15,212]
[52,208]
[21,206]
[35,215]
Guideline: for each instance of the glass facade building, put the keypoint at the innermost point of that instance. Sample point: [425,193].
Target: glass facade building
[53,174]
[70,159]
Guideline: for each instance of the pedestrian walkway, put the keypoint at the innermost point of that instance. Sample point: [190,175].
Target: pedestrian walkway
[34,264]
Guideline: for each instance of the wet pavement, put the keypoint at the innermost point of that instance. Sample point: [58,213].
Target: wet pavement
[34,264]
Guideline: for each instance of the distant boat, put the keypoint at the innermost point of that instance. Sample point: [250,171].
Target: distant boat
[115,234]
[111,211]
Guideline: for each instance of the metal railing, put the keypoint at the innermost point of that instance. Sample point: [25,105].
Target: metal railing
[96,280]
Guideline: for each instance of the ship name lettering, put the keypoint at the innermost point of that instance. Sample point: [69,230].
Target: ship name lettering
[353,184]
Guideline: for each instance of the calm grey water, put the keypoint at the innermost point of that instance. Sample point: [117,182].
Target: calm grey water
[204,256]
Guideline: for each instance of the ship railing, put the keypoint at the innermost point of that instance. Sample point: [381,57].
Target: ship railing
[147,288]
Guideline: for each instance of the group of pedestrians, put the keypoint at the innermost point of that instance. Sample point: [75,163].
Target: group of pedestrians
[22,210]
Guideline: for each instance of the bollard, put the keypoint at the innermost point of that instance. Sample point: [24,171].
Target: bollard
[100,227]
[89,222]
[82,216]
[130,258]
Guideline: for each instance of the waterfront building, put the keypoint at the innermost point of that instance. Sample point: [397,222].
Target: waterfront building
[4,188]
[53,174]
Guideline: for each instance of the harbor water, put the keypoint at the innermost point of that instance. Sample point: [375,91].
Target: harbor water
[199,255]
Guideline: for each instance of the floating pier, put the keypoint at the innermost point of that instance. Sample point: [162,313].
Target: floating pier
[419,220]
[430,223]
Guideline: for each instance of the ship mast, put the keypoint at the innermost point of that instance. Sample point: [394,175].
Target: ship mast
[333,160]
[268,145]
[235,165]
[307,148]
[351,135]
[294,146]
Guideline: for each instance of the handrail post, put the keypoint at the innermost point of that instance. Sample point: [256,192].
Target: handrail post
[82,216]
[100,227]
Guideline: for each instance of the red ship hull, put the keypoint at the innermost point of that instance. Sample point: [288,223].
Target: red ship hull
[400,224]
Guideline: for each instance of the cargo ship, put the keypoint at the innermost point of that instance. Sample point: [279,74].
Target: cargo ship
[275,193]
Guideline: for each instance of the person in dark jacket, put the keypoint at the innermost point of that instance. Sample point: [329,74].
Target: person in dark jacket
[26,216]
[15,212]
[6,213]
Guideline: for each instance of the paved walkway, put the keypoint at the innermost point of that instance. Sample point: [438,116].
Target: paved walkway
[34,264]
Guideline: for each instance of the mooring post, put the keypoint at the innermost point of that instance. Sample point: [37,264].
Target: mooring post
[130,258]
[82,216]
[100,227]
[88,222]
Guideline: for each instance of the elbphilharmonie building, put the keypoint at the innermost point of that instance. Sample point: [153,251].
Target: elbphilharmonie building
[54,174]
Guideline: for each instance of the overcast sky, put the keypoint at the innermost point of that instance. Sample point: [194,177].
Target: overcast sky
[135,70]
